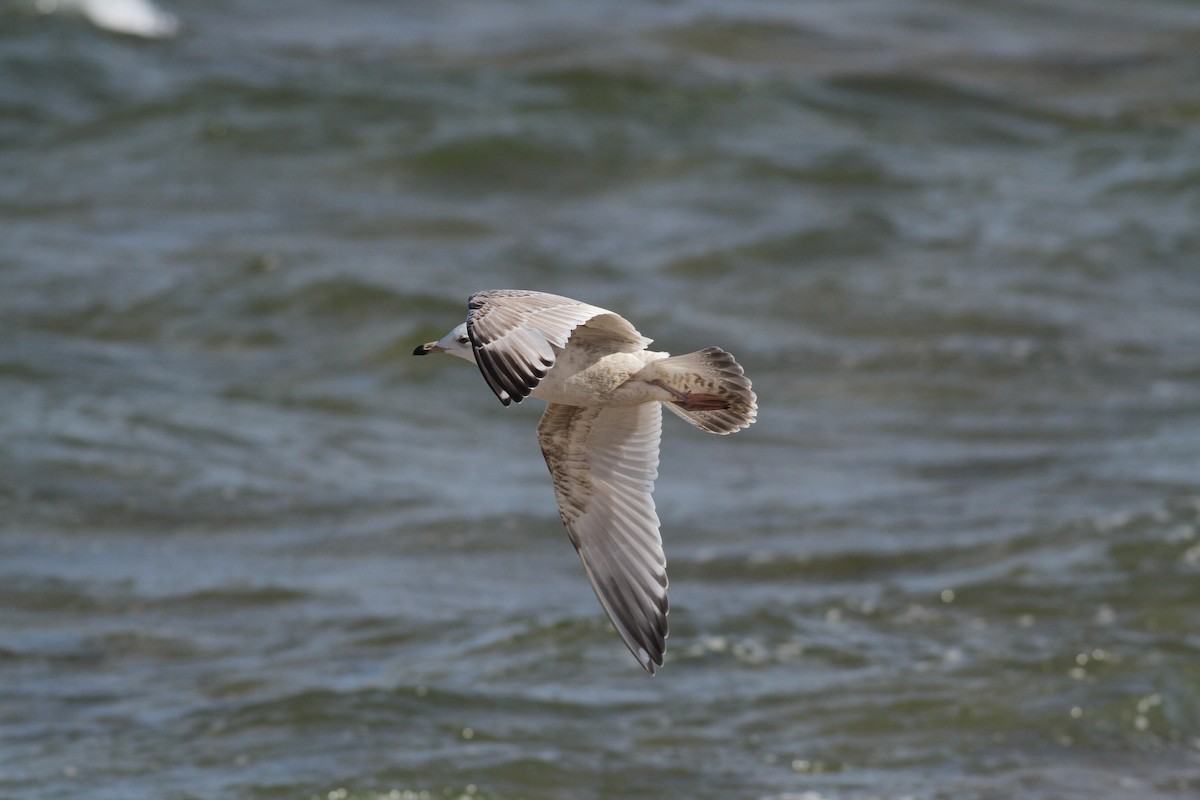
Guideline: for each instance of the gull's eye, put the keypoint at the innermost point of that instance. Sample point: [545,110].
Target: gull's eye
[464,339]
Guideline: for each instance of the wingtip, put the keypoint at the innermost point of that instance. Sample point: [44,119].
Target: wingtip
[650,665]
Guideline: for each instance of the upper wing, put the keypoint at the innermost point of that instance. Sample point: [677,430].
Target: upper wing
[604,462]
[517,335]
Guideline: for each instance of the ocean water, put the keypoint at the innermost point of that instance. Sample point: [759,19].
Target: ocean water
[250,548]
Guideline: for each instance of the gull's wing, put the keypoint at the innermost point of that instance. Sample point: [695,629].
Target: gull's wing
[604,462]
[517,335]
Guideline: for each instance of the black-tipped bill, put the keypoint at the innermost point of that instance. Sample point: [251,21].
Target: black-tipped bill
[425,349]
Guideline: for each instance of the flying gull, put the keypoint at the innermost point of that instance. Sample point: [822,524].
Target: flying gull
[600,432]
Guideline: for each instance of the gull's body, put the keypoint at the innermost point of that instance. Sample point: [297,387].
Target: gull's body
[601,430]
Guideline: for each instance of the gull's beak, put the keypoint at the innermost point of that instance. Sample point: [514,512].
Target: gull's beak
[426,349]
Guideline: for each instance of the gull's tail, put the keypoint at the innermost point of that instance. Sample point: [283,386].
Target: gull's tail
[709,389]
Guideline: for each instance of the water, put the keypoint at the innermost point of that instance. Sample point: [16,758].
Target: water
[251,548]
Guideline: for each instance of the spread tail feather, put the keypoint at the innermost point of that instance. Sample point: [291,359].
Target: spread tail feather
[709,389]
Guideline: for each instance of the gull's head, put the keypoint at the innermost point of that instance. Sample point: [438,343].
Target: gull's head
[454,343]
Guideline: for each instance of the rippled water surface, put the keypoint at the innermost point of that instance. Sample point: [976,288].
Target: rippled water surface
[250,548]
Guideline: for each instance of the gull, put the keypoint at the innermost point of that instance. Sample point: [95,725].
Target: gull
[600,432]
[130,17]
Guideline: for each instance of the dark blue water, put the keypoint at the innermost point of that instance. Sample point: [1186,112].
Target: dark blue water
[250,548]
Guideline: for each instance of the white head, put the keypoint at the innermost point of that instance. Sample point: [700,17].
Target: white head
[454,343]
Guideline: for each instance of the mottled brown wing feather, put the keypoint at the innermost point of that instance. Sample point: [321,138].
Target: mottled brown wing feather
[517,334]
[604,462]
